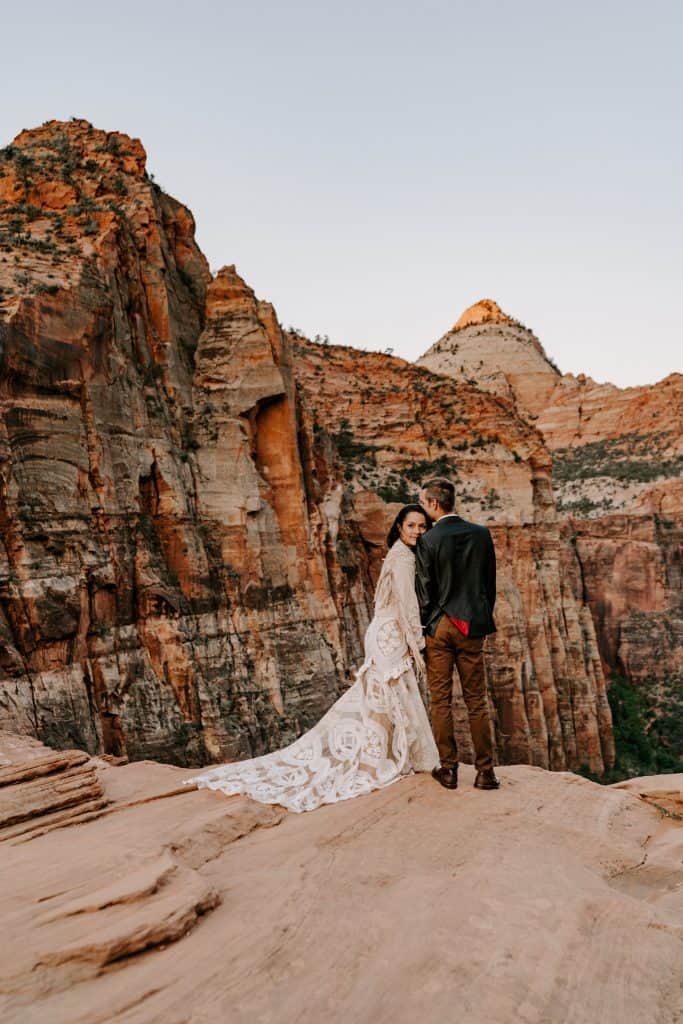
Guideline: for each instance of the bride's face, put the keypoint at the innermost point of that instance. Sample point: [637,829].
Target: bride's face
[412,527]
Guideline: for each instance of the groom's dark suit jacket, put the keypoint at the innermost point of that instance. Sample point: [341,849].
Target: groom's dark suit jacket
[456,575]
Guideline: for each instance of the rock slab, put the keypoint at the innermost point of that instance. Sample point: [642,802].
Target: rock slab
[553,899]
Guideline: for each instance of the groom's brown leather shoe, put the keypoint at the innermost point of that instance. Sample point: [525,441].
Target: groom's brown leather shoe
[486,779]
[448,777]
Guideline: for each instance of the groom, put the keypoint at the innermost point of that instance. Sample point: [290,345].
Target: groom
[455,581]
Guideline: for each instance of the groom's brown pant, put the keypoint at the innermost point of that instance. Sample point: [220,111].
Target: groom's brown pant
[449,647]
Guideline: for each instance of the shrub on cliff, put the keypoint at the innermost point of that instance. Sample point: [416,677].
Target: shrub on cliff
[633,458]
[648,729]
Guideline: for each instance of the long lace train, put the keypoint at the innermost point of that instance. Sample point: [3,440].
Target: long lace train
[376,732]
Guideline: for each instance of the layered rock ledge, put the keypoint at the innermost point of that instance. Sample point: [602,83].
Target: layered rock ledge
[553,899]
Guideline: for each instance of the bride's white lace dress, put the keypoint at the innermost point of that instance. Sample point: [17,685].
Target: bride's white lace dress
[376,732]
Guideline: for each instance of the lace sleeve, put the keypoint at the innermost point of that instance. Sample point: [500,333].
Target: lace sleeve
[404,583]
[396,590]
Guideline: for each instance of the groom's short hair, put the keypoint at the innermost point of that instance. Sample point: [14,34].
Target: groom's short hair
[441,490]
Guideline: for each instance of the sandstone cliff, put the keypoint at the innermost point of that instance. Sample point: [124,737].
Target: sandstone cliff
[553,899]
[193,504]
[617,467]
[169,578]
[392,425]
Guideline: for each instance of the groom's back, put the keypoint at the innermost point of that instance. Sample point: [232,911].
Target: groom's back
[457,574]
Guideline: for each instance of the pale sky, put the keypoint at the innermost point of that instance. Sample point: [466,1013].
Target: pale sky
[374,168]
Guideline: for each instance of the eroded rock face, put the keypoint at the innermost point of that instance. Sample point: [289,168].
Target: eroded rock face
[104,296]
[497,353]
[617,466]
[169,577]
[42,789]
[631,568]
[194,504]
[393,425]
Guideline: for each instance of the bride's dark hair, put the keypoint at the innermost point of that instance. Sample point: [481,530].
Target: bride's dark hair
[393,535]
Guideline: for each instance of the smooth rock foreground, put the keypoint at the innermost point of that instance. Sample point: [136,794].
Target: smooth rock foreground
[551,900]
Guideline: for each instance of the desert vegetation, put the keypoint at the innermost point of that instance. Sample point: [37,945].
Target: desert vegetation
[648,728]
[632,458]
[37,237]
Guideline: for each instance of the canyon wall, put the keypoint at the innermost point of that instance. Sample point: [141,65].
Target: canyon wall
[169,582]
[617,479]
[193,503]
[393,425]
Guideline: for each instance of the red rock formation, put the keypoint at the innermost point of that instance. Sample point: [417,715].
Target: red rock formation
[393,425]
[617,465]
[490,349]
[486,311]
[42,789]
[167,573]
[193,503]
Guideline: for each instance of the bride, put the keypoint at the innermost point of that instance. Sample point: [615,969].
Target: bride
[378,730]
